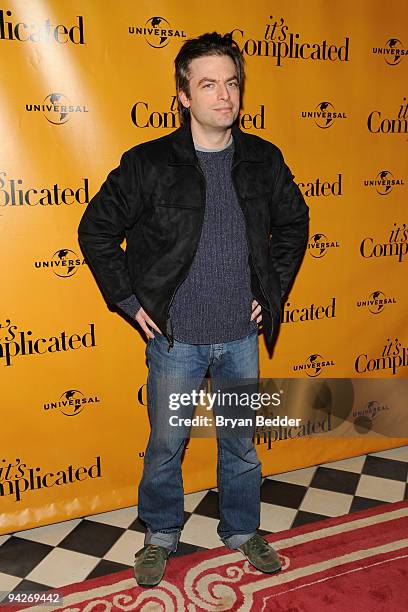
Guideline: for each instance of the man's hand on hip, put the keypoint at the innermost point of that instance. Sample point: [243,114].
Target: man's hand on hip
[144,320]
[256,311]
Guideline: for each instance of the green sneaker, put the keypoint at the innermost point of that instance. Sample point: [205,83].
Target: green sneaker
[150,563]
[261,555]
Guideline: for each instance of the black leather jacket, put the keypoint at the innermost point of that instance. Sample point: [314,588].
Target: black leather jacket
[155,199]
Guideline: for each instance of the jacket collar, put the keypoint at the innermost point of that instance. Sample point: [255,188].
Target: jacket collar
[183,151]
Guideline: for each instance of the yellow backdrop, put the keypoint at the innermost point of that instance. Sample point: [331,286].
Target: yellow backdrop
[81,83]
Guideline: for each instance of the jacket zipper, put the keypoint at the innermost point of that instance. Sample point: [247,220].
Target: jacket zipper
[268,307]
[168,319]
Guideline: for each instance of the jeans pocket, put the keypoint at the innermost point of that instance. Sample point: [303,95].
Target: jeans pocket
[149,343]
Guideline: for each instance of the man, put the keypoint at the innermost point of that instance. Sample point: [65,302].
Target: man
[215,230]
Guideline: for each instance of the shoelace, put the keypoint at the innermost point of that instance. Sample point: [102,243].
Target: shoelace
[258,545]
[151,555]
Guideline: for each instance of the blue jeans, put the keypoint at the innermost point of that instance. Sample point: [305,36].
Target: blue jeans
[161,494]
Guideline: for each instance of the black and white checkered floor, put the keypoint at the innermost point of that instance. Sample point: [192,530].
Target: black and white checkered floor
[74,550]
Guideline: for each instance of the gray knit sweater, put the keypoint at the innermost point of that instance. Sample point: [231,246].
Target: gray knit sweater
[213,304]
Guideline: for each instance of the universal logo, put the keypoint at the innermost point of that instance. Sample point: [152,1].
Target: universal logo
[376,302]
[393,51]
[394,355]
[319,245]
[40,31]
[72,402]
[395,246]
[15,342]
[14,193]
[313,365]
[57,108]
[364,417]
[157,32]
[324,115]
[377,124]
[278,42]
[64,263]
[321,187]
[289,314]
[144,117]
[384,182]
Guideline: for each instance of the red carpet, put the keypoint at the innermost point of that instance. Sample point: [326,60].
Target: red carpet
[354,563]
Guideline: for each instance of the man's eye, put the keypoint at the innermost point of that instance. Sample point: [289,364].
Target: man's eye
[208,85]
[233,84]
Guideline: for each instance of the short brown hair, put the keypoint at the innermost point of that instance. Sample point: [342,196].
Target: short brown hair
[205,45]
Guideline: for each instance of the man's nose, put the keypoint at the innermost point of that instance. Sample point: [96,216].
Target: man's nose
[223,93]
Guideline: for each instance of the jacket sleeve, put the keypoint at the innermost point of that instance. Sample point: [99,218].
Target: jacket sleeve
[289,226]
[130,305]
[110,213]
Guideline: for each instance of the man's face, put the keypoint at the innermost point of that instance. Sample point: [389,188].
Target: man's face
[214,92]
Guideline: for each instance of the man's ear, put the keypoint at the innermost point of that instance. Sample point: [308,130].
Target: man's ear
[184,99]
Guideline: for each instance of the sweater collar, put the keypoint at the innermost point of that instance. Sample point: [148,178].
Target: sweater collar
[183,151]
[205,150]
